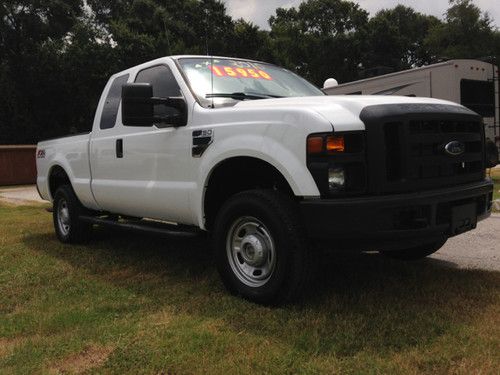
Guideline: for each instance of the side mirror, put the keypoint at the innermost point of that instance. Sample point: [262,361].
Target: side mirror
[138,106]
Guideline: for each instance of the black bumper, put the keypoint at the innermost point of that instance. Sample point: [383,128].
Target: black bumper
[369,223]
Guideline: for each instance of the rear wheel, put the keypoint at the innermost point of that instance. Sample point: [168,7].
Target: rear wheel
[260,249]
[417,252]
[66,216]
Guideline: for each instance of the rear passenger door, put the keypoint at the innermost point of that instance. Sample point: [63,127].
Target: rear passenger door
[105,133]
[143,170]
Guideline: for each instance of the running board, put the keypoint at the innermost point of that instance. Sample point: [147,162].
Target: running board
[147,226]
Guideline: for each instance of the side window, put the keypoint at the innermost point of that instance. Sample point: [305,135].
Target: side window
[478,96]
[164,85]
[110,110]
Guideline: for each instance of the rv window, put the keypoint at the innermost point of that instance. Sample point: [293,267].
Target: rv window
[355,93]
[478,96]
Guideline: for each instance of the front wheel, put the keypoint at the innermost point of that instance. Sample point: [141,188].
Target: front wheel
[417,252]
[260,249]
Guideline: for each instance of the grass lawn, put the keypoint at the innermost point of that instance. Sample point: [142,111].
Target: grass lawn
[129,303]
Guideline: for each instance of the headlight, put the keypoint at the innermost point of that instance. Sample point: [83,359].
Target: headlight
[337,162]
[336,179]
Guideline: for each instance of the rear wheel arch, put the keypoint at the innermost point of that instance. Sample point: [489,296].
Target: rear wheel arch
[237,174]
[57,177]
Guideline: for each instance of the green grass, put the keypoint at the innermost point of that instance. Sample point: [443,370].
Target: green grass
[495,175]
[129,303]
[496,189]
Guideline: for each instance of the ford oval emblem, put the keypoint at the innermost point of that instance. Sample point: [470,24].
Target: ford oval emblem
[455,148]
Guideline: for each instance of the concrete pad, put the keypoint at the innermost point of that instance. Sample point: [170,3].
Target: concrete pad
[478,249]
[20,195]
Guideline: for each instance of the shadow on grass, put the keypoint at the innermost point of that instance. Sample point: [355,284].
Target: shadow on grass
[357,302]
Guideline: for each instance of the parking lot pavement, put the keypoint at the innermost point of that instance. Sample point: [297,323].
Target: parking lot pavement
[478,249]
[19,195]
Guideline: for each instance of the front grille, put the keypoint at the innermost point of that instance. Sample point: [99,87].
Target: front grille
[407,150]
[416,151]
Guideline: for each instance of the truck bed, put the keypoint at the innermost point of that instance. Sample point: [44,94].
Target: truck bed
[73,153]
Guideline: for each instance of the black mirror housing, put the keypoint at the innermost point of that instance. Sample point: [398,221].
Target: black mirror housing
[138,107]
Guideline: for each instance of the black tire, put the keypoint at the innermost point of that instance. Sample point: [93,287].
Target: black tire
[416,253]
[278,229]
[69,229]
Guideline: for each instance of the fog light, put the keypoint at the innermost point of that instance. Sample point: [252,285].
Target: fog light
[336,179]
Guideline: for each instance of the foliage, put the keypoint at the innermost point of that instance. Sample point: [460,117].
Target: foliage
[319,39]
[56,55]
[31,47]
[396,38]
[467,33]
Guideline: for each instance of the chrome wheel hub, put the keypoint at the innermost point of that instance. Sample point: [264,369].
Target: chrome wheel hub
[63,219]
[251,251]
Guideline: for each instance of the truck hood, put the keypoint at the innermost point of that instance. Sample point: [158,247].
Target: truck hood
[341,111]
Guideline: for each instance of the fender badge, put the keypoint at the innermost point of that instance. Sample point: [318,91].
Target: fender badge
[201,140]
[454,148]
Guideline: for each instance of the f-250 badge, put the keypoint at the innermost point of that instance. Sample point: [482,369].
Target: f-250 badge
[201,140]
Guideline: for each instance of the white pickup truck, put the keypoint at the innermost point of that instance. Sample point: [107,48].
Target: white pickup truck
[270,166]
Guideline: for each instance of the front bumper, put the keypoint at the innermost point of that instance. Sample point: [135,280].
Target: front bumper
[375,222]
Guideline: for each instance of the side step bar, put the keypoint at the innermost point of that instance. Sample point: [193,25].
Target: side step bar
[147,226]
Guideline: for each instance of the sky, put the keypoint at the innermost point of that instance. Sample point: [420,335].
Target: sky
[259,11]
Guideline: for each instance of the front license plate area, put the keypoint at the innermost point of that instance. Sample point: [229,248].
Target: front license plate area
[463,218]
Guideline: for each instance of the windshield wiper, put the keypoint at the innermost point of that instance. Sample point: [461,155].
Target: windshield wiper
[241,96]
[265,95]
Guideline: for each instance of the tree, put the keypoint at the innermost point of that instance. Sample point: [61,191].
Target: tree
[467,33]
[250,42]
[396,38]
[32,36]
[147,29]
[320,39]
[56,55]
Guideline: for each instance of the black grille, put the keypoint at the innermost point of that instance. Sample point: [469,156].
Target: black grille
[407,150]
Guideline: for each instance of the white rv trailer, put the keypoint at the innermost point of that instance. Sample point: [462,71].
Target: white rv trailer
[471,83]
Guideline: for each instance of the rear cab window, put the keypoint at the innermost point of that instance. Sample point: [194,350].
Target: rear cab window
[110,109]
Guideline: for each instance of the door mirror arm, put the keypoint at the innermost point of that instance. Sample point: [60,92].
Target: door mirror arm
[162,122]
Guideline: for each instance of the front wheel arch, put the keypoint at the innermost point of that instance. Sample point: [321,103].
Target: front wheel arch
[238,174]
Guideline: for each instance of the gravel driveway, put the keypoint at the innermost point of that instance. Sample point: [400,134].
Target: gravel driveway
[477,249]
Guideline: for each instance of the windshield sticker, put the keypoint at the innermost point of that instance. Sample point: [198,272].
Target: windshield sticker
[235,72]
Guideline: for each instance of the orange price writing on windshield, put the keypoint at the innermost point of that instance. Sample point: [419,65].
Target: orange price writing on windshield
[229,71]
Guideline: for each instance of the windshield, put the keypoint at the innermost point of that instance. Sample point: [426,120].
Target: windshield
[235,80]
